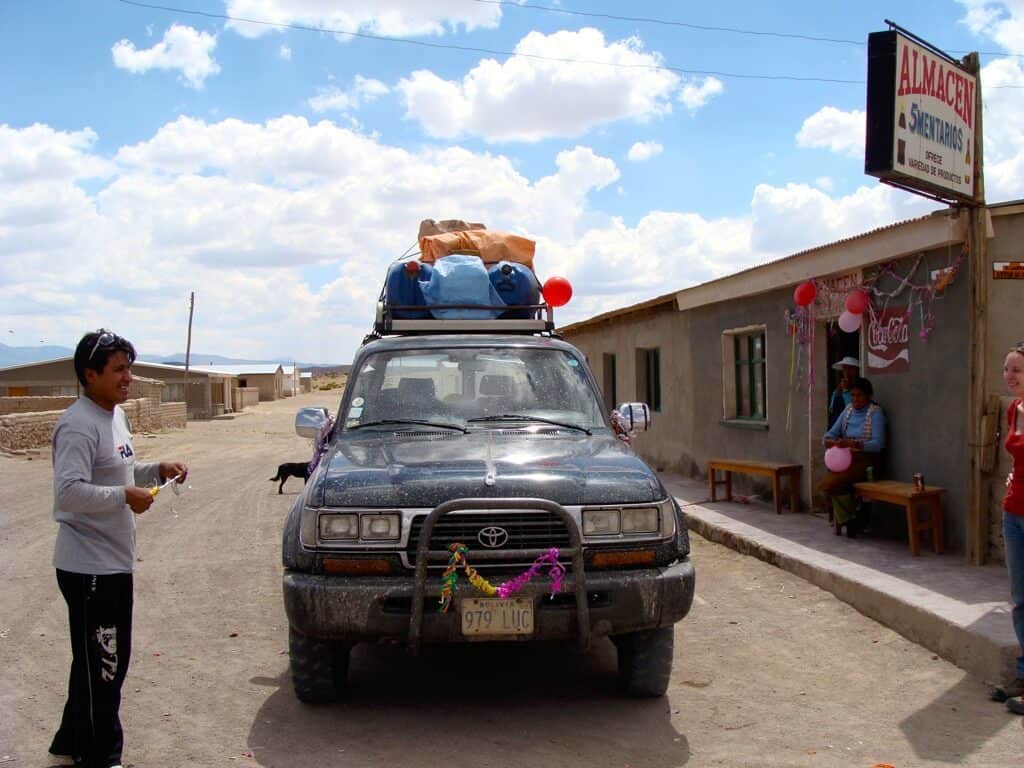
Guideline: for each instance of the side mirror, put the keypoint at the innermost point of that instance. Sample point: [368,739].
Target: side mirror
[636,415]
[309,422]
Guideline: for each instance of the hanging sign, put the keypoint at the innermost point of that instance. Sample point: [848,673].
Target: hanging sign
[832,297]
[920,118]
[1008,270]
[889,340]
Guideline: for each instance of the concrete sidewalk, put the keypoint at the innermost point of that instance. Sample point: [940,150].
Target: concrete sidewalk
[956,610]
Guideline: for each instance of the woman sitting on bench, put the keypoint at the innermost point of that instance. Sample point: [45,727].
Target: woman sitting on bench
[861,428]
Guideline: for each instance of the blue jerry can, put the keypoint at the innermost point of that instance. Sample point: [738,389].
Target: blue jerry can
[516,285]
[402,288]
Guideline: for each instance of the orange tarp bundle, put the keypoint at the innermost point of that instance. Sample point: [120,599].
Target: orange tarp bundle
[490,244]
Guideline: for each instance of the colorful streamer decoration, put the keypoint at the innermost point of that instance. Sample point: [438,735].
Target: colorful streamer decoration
[457,560]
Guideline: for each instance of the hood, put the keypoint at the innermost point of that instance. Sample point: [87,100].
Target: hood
[424,469]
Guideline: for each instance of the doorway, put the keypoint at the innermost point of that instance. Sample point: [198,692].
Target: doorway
[840,345]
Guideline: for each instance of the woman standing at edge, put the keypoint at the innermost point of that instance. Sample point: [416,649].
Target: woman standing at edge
[1013,519]
[98,488]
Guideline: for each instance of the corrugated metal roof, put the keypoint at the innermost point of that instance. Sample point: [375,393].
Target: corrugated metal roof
[210,370]
[248,369]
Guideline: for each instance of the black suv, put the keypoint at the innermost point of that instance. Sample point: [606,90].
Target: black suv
[499,442]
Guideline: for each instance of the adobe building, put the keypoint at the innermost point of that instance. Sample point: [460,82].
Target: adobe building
[209,391]
[733,368]
[267,379]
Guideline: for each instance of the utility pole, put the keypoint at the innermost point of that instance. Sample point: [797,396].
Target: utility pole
[977,384]
[188,345]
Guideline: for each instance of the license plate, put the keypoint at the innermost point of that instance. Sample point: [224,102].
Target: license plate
[491,617]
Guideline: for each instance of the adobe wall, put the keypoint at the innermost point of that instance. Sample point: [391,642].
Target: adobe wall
[33,404]
[34,429]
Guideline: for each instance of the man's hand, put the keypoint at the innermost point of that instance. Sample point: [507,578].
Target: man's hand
[139,499]
[169,469]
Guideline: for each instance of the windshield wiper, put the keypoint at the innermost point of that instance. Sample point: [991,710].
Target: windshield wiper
[520,417]
[423,422]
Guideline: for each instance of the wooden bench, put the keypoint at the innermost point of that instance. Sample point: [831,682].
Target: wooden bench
[770,469]
[904,495]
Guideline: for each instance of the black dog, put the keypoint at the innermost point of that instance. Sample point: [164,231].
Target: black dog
[291,469]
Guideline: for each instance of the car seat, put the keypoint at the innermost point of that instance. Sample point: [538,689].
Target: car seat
[495,393]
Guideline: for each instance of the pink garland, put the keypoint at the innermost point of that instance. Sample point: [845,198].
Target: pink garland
[555,570]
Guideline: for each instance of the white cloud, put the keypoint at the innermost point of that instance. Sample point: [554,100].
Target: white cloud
[1001,20]
[529,99]
[363,90]
[695,96]
[834,129]
[644,150]
[390,18]
[234,210]
[285,53]
[825,182]
[791,218]
[40,154]
[183,48]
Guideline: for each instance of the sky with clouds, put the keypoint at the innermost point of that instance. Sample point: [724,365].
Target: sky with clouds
[273,156]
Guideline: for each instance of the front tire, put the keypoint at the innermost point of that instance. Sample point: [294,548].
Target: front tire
[645,662]
[319,667]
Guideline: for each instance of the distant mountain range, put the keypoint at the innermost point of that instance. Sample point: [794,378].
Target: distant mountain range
[21,355]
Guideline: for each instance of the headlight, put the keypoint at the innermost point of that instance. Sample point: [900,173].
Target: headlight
[600,522]
[380,527]
[336,527]
[640,520]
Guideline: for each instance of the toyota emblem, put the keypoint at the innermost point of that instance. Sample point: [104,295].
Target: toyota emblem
[493,537]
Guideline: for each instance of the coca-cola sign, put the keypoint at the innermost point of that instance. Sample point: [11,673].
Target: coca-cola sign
[889,340]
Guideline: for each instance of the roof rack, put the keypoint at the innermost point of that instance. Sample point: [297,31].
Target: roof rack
[540,320]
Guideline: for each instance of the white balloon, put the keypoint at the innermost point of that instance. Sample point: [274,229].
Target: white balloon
[849,322]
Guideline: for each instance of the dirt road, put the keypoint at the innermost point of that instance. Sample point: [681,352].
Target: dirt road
[769,670]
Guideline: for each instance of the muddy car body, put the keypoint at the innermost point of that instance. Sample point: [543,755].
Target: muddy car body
[499,442]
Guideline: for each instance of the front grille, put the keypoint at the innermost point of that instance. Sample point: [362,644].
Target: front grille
[526,530]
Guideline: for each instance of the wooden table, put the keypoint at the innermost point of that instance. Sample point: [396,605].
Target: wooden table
[904,495]
[774,470]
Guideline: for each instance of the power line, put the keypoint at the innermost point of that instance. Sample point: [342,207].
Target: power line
[668,22]
[702,27]
[491,51]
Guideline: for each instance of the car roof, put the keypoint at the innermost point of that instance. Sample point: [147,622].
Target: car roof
[452,341]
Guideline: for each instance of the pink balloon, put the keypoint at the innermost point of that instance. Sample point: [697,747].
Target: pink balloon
[838,459]
[849,322]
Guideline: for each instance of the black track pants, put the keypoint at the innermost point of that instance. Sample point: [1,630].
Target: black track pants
[100,616]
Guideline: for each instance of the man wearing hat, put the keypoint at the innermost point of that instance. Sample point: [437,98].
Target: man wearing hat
[850,366]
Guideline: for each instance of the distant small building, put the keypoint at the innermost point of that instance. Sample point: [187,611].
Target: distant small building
[291,380]
[268,378]
[209,390]
[306,381]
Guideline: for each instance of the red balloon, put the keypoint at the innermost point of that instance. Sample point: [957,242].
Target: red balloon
[805,293]
[557,291]
[857,302]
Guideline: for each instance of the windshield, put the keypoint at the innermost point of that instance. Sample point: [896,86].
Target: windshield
[464,387]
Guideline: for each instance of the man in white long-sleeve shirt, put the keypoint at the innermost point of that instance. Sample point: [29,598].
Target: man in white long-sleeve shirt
[98,488]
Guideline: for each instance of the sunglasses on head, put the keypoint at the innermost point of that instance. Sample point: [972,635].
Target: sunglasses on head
[105,339]
[1019,347]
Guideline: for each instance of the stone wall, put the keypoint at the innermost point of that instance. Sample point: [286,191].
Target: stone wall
[19,431]
[33,404]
